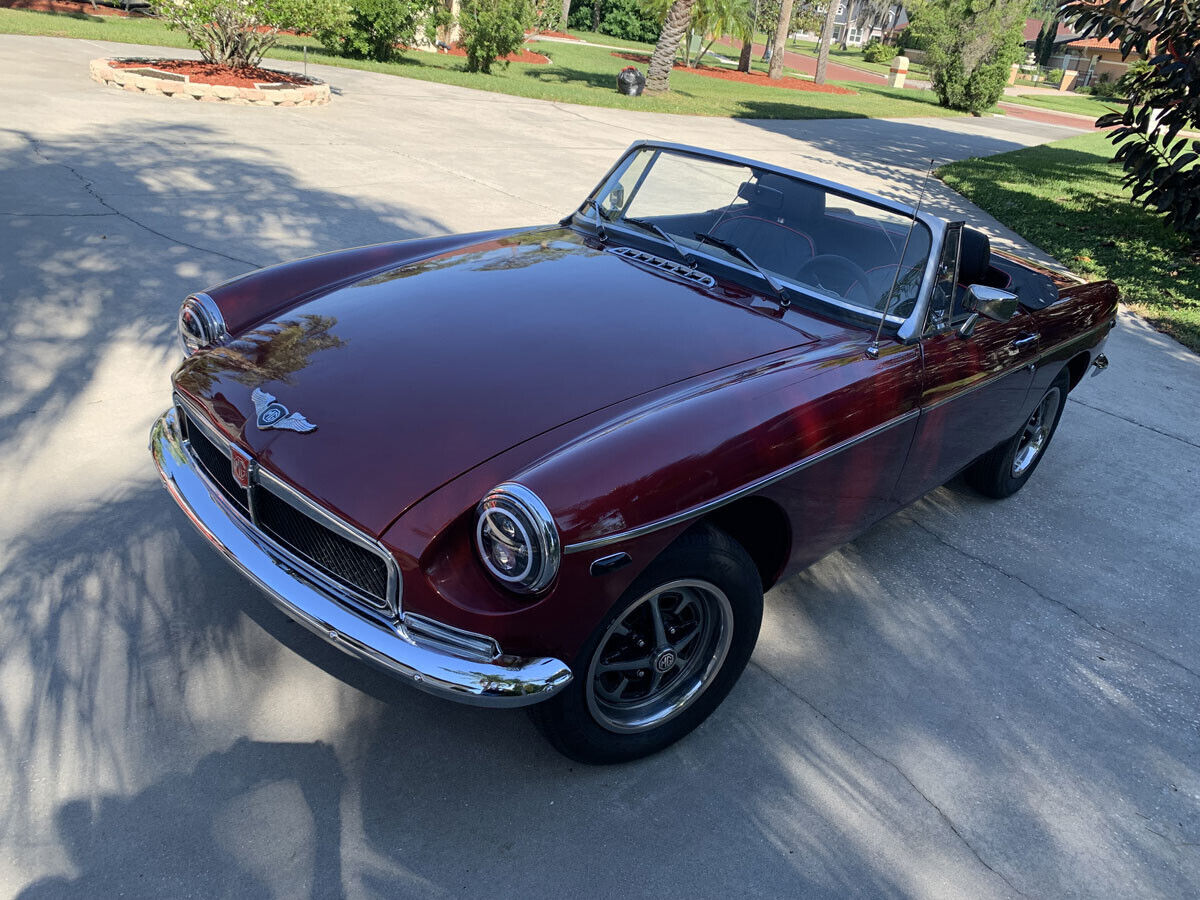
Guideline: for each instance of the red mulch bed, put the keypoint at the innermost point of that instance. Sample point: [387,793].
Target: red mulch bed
[794,84]
[524,56]
[553,34]
[65,6]
[206,73]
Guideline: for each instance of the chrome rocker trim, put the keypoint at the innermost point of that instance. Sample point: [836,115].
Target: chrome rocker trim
[505,681]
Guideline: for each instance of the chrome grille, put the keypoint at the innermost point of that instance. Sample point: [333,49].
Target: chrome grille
[679,270]
[340,554]
[216,465]
[349,563]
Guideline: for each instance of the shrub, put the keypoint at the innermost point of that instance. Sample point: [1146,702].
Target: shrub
[547,16]
[373,28]
[492,29]
[878,52]
[1054,76]
[1105,87]
[1136,71]
[238,32]
[972,45]
[628,19]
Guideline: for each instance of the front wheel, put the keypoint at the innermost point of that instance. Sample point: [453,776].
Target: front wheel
[1003,471]
[664,658]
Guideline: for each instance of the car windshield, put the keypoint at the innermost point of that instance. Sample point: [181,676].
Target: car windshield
[835,247]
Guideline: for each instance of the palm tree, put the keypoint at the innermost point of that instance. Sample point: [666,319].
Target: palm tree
[781,32]
[658,76]
[715,19]
[826,37]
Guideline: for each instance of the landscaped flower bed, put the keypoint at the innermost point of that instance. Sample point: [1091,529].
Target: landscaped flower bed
[758,78]
[194,80]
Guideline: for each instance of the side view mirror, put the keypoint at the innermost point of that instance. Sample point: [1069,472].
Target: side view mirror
[614,202]
[989,302]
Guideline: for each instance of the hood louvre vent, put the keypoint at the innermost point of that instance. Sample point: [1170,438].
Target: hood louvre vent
[679,270]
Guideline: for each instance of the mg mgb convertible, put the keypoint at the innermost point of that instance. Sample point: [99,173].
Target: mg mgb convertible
[558,467]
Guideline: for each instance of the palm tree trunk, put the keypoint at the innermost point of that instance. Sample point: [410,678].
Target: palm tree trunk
[781,33]
[744,58]
[826,37]
[658,76]
[851,12]
[566,13]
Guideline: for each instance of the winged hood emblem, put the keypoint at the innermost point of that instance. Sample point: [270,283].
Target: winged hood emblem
[273,414]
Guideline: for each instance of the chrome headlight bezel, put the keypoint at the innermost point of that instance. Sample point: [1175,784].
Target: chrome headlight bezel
[200,323]
[536,528]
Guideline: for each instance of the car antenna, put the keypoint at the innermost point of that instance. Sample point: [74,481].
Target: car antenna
[873,347]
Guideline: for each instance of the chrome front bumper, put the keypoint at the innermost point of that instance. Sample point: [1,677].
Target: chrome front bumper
[501,682]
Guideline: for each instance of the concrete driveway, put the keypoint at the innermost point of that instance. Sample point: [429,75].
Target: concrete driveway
[975,699]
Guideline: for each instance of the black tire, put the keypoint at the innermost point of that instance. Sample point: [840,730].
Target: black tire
[1004,469]
[591,722]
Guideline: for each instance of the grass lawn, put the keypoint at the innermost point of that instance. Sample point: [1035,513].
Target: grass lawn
[608,40]
[1072,103]
[1067,198]
[577,74]
[853,57]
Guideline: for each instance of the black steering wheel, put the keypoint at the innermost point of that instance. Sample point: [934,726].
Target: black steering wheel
[838,265]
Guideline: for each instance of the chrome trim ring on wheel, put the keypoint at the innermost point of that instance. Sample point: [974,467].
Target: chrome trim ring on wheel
[659,655]
[1036,434]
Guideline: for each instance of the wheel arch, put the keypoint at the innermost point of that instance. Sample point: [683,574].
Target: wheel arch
[1077,367]
[762,528]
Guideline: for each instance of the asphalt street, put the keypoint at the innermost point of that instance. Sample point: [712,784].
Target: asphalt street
[975,699]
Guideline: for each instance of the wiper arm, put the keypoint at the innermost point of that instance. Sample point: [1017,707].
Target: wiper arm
[601,231]
[733,249]
[647,224]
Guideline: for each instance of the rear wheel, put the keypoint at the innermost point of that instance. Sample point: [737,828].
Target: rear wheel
[664,658]
[1003,471]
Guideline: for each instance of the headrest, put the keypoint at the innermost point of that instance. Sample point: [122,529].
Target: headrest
[800,201]
[759,195]
[974,257]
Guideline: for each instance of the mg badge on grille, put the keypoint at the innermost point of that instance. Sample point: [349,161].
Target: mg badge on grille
[273,414]
[240,463]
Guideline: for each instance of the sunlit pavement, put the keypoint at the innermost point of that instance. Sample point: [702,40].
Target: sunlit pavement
[974,699]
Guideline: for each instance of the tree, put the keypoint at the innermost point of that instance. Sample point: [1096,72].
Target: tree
[239,32]
[375,28]
[658,74]
[1162,170]
[714,19]
[826,38]
[780,44]
[748,41]
[492,29]
[851,15]
[972,45]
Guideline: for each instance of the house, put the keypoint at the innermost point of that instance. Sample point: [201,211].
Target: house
[1095,59]
[861,26]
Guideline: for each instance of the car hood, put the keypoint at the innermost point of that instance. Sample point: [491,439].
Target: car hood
[417,374]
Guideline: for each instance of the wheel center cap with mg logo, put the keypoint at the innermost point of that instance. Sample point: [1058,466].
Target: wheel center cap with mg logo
[665,661]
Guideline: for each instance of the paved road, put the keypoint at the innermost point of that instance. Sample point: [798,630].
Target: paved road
[974,699]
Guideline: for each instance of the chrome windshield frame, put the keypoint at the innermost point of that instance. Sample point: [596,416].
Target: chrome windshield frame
[907,329]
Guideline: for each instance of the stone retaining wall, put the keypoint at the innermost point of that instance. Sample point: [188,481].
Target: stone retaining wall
[314,94]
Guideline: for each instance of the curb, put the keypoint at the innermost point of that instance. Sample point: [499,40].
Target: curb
[315,94]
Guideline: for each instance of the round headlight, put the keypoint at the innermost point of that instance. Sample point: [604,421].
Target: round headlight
[517,539]
[200,323]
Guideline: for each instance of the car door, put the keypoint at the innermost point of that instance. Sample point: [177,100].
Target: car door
[973,388]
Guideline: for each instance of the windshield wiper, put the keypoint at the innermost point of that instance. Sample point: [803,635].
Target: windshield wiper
[647,224]
[601,231]
[733,249]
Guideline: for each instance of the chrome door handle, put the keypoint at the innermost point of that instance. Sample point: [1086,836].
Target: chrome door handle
[1024,341]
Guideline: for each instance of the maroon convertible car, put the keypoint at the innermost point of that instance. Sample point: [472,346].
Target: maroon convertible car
[559,466]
